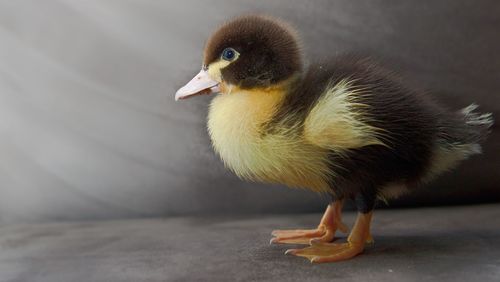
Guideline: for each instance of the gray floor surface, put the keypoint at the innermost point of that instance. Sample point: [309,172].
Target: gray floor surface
[428,244]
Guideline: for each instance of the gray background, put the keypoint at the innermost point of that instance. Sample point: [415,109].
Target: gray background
[89,128]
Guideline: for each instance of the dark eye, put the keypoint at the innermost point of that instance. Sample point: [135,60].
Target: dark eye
[229,54]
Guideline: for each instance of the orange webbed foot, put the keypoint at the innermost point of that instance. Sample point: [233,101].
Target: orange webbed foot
[303,236]
[325,232]
[328,252]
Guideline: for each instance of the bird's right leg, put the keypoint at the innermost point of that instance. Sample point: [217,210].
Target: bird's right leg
[325,232]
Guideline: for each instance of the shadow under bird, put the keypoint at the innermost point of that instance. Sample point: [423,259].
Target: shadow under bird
[345,127]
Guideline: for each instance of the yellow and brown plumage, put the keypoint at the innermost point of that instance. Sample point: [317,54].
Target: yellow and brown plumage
[345,127]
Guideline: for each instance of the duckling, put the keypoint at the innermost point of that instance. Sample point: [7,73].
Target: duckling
[346,127]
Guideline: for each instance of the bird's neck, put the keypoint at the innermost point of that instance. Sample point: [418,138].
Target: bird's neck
[243,110]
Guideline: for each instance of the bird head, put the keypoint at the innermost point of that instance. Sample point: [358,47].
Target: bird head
[248,52]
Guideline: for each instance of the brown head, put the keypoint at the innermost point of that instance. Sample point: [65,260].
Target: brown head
[247,52]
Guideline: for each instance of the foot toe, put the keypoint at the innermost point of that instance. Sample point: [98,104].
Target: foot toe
[280,232]
[302,236]
[299,241]
[327,252]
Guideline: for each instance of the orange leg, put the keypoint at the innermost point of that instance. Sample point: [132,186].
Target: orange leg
[331,252]
[325,231]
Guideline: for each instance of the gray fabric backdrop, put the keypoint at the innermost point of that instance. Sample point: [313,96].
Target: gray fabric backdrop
[89,127]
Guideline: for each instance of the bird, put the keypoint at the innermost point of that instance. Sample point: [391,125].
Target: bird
[346,127]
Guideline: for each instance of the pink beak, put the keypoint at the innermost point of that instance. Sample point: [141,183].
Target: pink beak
[200,84]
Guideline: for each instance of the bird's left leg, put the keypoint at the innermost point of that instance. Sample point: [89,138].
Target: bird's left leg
[359,236]
[325,232]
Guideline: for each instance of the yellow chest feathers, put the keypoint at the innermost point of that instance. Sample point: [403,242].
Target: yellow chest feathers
[235,125]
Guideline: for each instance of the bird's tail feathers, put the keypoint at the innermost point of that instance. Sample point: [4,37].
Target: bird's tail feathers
[460,137]
[465,130]
[478,124]
[474,118]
